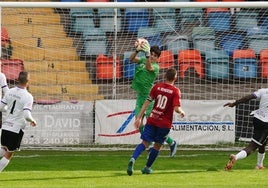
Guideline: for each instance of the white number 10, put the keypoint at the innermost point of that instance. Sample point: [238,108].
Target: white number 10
[161,101]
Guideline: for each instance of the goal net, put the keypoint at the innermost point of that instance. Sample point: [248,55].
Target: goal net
[78,58]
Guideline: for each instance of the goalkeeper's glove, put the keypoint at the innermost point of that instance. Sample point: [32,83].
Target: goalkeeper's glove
[146,48]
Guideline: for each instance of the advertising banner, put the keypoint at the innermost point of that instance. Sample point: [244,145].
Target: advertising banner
[63,123]
[206,122]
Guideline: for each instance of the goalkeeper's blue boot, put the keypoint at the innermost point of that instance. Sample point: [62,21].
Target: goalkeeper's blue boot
[173,149]
[146,170]
[130,166]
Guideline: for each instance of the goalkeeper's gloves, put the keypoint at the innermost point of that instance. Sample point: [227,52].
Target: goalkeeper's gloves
[146,48]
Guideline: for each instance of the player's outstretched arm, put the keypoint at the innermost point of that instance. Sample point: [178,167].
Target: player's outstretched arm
[239,101]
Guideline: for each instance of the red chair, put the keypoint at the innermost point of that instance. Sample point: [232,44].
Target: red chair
[11,68]
[246,53]
[166,59]
[190,59]
[264,62]
[4,37]
[104,67]
[209,10]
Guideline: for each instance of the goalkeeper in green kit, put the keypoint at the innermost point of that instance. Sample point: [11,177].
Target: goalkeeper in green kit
[146,72]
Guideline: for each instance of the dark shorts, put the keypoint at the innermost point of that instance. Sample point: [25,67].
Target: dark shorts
[260,132]
[1,120]
[154,134]
[11,140]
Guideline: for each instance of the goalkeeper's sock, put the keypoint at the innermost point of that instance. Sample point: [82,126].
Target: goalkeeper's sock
[241,155]
[169,140]
[260,158]
[3,163]
[152,156]
[139,149]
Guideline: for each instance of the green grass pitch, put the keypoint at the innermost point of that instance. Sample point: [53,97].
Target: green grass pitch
[56,169]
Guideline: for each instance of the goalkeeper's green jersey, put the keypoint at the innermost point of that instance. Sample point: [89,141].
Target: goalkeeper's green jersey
[143,79]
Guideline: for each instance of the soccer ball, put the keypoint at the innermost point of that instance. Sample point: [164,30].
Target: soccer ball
[139,43]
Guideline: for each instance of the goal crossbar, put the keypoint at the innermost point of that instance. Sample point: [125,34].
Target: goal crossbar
[133,5]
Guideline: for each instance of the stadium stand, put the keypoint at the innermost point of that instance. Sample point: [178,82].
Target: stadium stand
[49,55]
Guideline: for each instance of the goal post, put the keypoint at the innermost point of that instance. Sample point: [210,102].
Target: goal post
[78,58]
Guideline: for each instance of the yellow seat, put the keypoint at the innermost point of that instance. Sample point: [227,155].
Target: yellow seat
[24,42]
[54,42]
[48,31]
[43,78]
[20,31]
[29,53]
[66,65]
[60,54]
[73,78]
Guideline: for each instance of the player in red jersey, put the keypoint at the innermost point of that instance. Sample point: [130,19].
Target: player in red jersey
[167,100]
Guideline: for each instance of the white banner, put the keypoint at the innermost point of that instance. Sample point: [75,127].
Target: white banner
[206,122]
[63,123]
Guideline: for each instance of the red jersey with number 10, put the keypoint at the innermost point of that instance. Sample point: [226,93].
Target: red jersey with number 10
[166,97]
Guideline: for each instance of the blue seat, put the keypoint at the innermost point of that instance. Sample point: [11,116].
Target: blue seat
[153,36]
[128,67]
[219,21]
[81,18]
[264,22]
[94,42]
[231,42]
[106,16]
[257,42]
[217,64]
[203,39]
[191,15]
[136,18]
[175,43]
[244,20]
[164,19]
[245,64]
[245,68]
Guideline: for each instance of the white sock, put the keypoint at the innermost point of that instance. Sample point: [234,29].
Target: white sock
[260,158]
[3,163]
[2,152]
[241,155]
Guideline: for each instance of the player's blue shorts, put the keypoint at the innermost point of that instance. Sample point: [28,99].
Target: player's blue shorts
[154,134]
